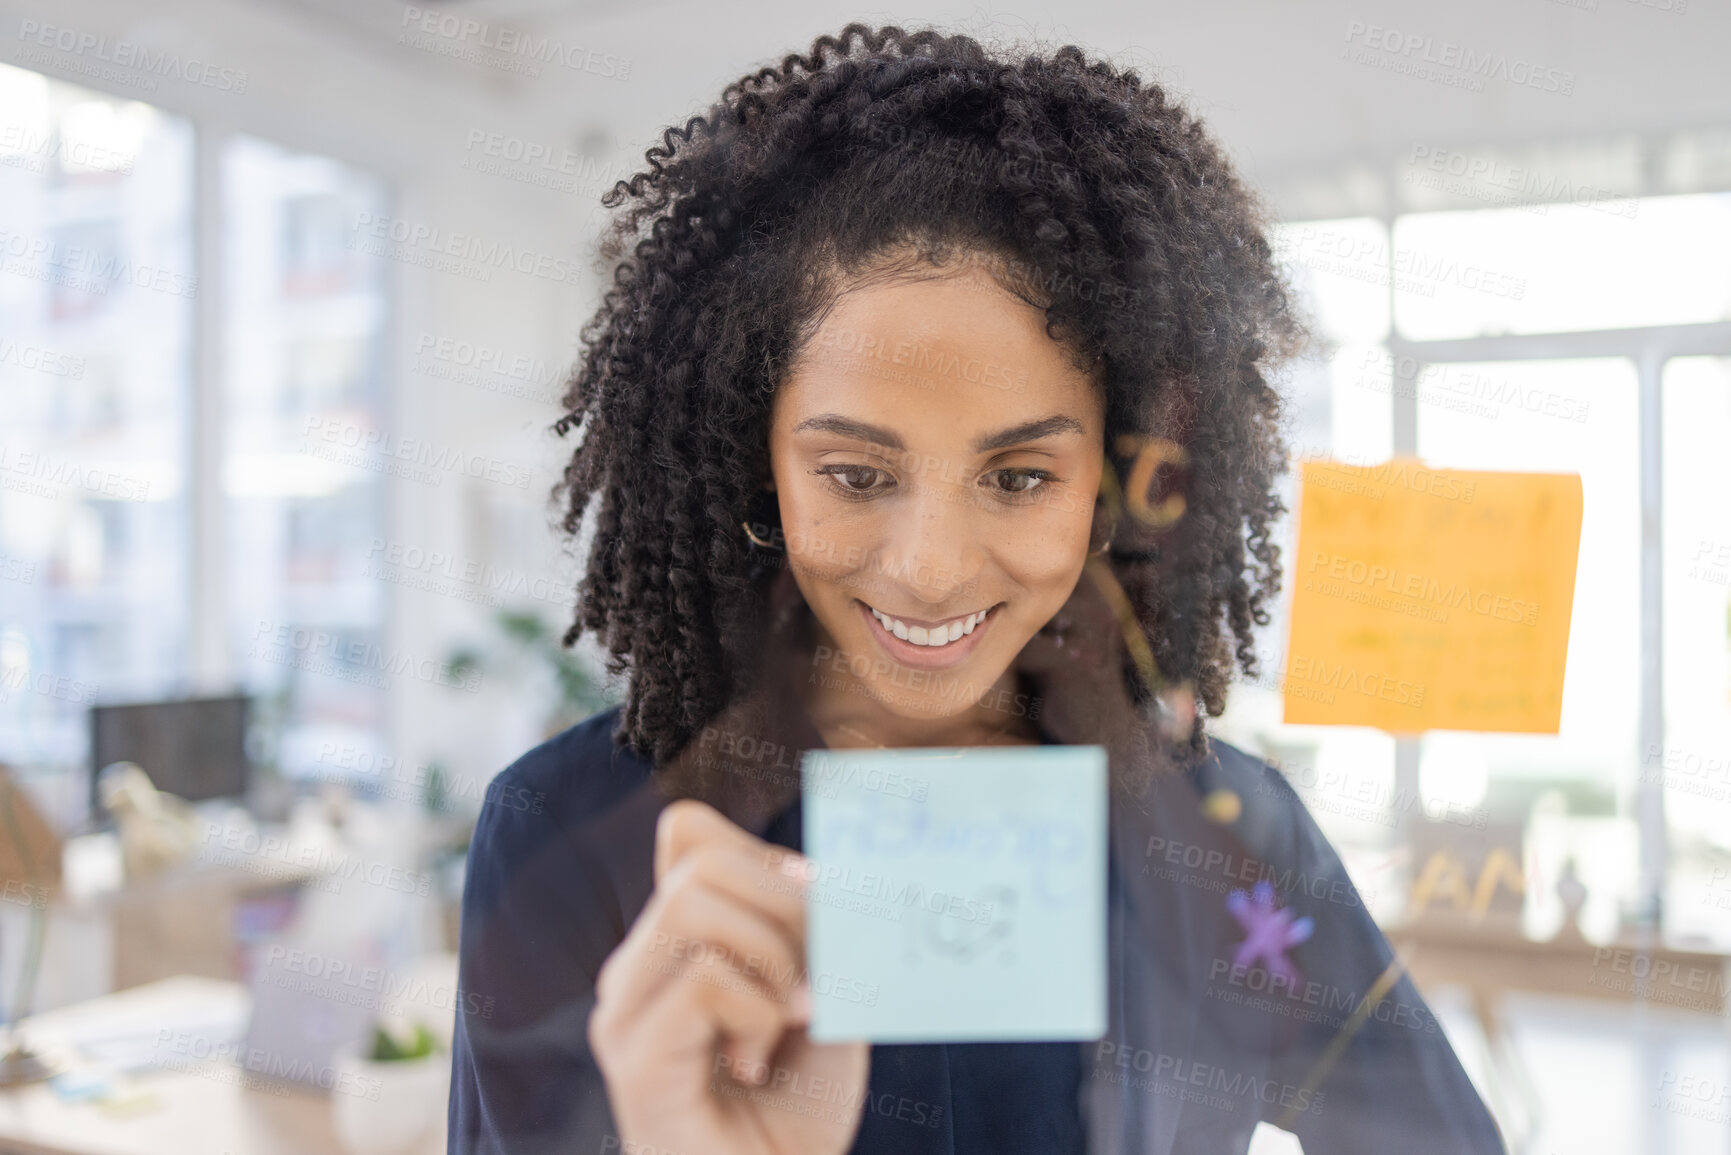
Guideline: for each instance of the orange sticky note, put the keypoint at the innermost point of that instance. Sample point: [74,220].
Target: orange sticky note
[1431,599]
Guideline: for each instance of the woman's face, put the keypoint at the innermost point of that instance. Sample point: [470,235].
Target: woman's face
[936,458]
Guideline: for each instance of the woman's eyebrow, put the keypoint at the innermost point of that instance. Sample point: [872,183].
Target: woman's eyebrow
[848,427]
[1028,431]
[877,435]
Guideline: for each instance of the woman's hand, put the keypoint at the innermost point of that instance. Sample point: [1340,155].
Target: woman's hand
[700,1014]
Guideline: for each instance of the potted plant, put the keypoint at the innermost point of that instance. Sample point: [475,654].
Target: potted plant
[390,1089]
[533,653]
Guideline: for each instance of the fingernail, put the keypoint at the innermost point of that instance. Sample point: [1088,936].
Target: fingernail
[799,1002]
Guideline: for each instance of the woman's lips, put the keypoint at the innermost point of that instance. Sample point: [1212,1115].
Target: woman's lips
[922,657]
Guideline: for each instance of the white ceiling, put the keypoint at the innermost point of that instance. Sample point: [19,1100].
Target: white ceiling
[1267,75]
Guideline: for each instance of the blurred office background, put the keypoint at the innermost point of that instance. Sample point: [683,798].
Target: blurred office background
[288,294]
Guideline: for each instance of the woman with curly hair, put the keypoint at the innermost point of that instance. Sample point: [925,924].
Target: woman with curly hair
[929,407]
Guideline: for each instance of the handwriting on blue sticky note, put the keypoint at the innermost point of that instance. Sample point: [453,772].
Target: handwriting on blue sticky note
[956,895]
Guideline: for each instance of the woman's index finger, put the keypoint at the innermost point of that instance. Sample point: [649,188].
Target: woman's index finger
[765,876]
[687,824]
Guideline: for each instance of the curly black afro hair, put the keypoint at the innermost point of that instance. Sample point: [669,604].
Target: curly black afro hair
[1089,193]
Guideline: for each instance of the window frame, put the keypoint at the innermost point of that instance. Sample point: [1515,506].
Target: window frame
[1649,348]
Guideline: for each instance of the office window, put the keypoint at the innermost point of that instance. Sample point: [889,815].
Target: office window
[97,298]
[1422,348]
[1576,416]
[1529,348]
[305,324]
[1551,268]
[99,303]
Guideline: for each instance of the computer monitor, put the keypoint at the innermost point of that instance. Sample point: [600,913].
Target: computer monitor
[195,748]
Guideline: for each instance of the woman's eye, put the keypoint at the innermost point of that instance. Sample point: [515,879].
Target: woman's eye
[1019,481]
[856,479]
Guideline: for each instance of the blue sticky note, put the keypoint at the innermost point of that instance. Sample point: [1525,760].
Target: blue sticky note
[956,895]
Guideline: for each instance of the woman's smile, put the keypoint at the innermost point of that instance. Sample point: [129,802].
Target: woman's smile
[928,644]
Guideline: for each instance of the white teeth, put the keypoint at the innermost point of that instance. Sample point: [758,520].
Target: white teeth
[936,635]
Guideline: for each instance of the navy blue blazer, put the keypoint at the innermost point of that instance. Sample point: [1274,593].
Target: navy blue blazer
[1199,1051]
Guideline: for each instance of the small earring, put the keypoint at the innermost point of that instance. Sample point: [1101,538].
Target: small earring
[758,541]
[1102,550]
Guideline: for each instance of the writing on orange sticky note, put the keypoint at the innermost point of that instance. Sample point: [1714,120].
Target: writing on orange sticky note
[1431,599]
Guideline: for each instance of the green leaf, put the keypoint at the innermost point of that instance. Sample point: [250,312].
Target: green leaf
[388,1049]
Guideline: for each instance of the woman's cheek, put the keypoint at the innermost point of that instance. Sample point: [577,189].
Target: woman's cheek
[1052,546]
[821,545]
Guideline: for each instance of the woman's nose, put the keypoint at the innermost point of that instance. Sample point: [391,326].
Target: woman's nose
[939,543]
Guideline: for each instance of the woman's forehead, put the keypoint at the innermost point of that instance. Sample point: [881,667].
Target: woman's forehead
[935,351]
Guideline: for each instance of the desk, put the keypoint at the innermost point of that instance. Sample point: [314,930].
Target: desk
[1490,960]
[203,1110]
